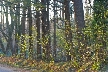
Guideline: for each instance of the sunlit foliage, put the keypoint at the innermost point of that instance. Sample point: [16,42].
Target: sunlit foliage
[43,35]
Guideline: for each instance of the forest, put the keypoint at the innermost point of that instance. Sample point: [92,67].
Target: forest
[54,35]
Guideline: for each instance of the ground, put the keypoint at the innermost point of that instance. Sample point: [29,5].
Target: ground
[6,68]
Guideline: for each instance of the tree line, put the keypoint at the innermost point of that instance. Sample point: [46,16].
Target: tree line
[38,29]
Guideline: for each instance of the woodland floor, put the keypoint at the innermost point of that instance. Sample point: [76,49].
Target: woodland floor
[7,68]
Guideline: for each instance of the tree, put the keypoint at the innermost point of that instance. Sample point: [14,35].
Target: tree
[68,32]
[79,15]
[30,30]
[10,27]
[54,50]
[46,30]
[80,24]
[17,29]
[38,28]
[100,28]
[23,19]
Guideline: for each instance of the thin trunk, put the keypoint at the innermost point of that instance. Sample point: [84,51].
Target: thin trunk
[30,32]
[38,27]
[2,46]
[9,40]
[23,19]
[45,31]
[54,51]
[43,26]
[68,33]
[39,55]
[7,22]
[11,29]
[16,28]
[48,48]
[2,22]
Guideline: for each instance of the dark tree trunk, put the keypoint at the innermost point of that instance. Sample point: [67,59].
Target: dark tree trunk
[7,26]
[23,19]
[45,30]
[30,32]
[39,55]
[48,48]
[68,32]
[79,19]
[38,29]
[79,14]
[54,50]
[10,32]
[16,28]
[80,24]
[43,25]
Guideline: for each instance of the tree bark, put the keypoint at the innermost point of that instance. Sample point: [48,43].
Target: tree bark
[68,32]
[30,32]
[46,30]
[39,55]
[23,19]
[80,24]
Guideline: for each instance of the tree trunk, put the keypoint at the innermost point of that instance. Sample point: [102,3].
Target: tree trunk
[68,32]
[79,15]
[30,31]
[10,32]
[45,31]
[23,19]
[54,50]
[39,55]
[80,24]
[16,29]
